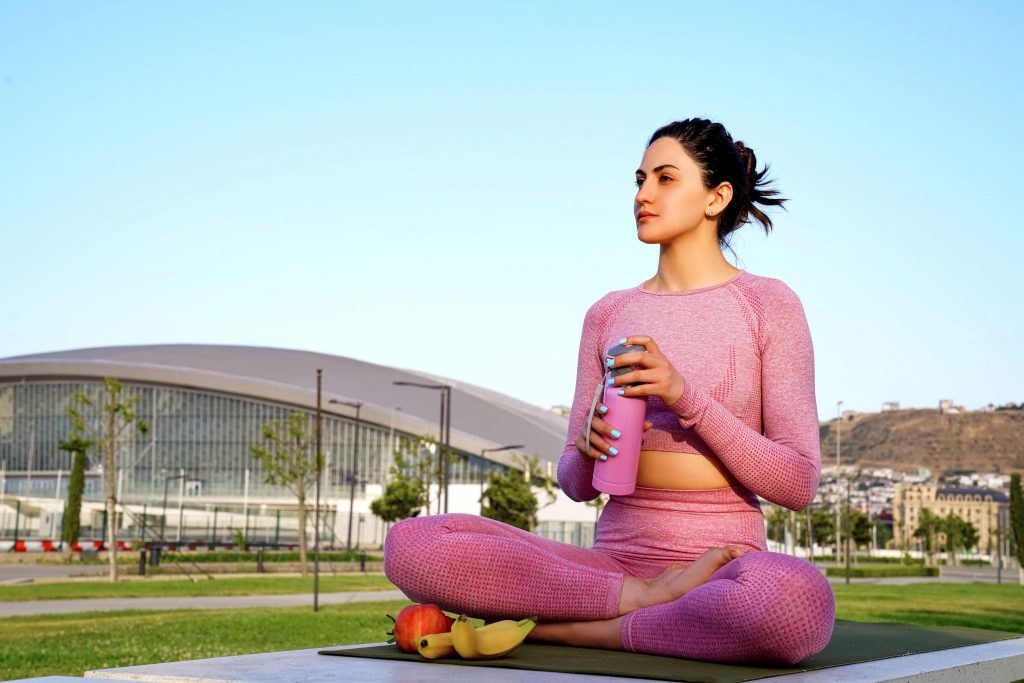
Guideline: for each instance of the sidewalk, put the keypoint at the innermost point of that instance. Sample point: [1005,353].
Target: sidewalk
[16,609]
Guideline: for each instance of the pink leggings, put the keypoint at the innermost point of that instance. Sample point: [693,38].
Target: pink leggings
[761,607]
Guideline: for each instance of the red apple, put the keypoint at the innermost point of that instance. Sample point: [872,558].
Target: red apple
[416,621]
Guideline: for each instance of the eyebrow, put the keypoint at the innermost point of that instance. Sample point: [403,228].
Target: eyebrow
[657,168]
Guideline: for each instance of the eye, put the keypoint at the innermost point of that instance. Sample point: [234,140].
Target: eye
[639,182]
[665,177]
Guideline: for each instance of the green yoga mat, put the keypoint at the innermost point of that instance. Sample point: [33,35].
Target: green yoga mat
[852,642]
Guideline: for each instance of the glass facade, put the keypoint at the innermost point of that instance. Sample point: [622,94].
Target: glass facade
[205,434]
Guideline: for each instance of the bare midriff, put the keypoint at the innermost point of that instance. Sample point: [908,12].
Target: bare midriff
[671,470]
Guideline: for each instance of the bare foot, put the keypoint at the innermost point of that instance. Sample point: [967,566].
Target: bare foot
[676,581]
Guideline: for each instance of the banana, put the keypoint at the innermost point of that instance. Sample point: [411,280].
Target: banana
[490,641]
[436,645]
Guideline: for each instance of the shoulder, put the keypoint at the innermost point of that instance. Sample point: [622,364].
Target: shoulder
[768,294]
[600,309]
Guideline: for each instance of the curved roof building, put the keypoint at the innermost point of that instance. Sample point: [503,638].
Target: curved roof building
[207,404]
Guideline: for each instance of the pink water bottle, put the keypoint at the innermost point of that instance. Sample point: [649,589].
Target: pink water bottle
[617,474]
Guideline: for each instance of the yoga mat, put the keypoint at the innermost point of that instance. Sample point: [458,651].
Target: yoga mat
[852,642]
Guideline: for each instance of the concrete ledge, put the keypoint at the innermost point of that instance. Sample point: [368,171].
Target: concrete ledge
[989,662]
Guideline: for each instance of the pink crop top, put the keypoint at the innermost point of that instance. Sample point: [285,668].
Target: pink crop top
[744,350]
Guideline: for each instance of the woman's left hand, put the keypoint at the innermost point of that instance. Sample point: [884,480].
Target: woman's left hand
[658,376]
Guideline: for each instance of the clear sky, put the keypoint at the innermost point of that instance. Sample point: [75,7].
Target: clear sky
[447,187]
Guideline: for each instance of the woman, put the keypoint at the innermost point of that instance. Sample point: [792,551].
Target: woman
[680,566]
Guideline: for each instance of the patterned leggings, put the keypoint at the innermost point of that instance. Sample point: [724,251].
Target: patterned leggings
[760,607]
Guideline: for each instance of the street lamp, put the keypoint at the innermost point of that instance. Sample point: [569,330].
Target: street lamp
[482,477]
[839,422]
[355,464]
[444,427]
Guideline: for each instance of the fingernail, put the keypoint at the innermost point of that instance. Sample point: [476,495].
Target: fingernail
[604,457]
[603,409]
[622,392]
[623,340]
[611,362]
[611,381]
[613,451]
[616,433]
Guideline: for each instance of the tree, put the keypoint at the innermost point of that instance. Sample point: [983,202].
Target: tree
[79,447]
[289,461]
[404,496]
[861,528]
[776,519]
[1017,522]
[509,496]
[103,424]
[960,535]
[824,528]
[929,525]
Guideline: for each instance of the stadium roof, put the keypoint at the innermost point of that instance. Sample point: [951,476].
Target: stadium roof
[481,418]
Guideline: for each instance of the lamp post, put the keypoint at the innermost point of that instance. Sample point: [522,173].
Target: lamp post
[444,429]
[316,514]
[163,522]
[482,477]
[355,465]
[839,422]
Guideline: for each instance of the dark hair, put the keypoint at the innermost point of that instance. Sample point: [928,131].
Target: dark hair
[721,160]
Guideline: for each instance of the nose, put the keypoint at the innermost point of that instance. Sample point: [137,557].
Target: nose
[643,194]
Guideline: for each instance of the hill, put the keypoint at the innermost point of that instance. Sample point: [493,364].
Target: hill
[911,438]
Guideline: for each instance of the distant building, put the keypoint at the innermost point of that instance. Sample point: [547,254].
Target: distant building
[890,405]
[979,506]
[560,410]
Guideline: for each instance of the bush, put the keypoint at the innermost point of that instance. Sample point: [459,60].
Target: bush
[883,570]
[269,556]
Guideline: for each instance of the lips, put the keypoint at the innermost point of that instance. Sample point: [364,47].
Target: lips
[645,214]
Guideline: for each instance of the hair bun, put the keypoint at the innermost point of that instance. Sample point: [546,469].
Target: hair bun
[749,161]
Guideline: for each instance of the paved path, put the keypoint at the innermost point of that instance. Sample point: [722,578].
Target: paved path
[14,609]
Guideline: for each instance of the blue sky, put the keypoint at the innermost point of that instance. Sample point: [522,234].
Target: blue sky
[447,187]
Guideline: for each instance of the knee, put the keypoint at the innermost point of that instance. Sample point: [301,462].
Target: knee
[796,610]
[411,540]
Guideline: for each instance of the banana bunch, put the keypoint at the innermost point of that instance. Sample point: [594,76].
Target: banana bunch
[472,642]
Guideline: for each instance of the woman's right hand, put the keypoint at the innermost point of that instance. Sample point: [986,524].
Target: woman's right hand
[602,435]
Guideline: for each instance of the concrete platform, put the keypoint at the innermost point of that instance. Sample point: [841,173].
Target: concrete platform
[1001,661]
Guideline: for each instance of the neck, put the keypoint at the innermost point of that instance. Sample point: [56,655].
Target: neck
[690,263]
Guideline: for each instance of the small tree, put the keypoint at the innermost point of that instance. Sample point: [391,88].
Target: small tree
[509,496]
[78,446]
[103,424]
[824,528]
[289,461]
[927,530]
[776,520]
[404,496]
[1017,522]
[861,529]
[510,499]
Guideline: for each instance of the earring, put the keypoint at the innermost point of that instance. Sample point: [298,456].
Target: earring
[710,215]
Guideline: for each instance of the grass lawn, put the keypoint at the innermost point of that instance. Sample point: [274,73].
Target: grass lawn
[266,585]
[977,605]
[72,644]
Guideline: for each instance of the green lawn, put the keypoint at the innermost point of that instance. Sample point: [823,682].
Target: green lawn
[72,644]
[977,605]
[267,585]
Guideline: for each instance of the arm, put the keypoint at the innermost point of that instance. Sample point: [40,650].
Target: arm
[576,470]
[784,464]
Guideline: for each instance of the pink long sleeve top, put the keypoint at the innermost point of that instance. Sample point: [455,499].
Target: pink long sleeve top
[744,350]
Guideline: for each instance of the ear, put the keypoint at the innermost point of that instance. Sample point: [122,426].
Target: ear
[718,199]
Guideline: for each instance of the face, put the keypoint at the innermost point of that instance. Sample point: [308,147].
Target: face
[671,199]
